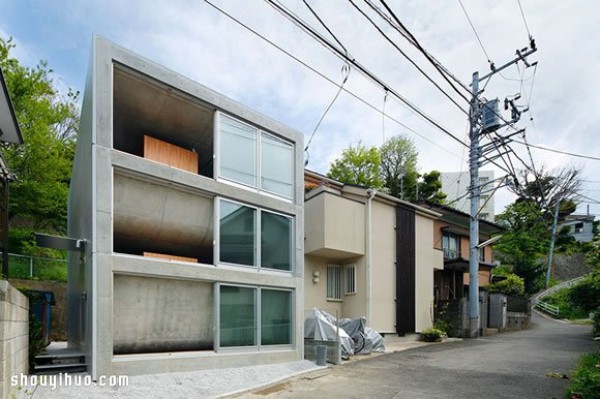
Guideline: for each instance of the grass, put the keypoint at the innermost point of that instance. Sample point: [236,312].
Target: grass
[43,269]
[585,381]
[567,309]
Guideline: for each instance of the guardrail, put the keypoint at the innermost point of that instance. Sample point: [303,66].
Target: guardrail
[546,307]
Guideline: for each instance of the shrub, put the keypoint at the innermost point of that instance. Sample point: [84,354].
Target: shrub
[432,335]
[443,325]
[567,309]
[585,381]
[512,285]
[596,326]
[586,294]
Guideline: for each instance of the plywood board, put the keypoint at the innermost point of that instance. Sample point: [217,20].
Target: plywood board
[170,257]
[169,154]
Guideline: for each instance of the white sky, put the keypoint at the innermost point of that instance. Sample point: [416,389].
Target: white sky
[195,40]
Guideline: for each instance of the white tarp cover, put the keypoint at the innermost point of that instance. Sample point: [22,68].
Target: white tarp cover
[321,325]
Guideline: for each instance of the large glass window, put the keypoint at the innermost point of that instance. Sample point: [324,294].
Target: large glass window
[237,316]
[239,237]
[238,151]
[244,147]
[276,166]
[276,317]
[276,241]
[237,234]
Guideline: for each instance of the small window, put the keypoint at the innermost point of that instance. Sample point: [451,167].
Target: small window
[334,282]
[350,279]
[579,228]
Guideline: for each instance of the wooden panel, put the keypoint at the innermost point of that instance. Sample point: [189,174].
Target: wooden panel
[169,154]
[405,270]
[170,257]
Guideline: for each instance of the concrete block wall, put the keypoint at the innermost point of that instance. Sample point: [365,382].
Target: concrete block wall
[58,318]
[334,350]
[14,335]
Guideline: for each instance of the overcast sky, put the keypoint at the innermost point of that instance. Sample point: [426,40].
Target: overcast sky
[194,39]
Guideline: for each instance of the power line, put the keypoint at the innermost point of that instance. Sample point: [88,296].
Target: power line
[435,63]
[325,26]
[558,151]
[327,44]
[524,20]
[306,65]
[475,31]
[346,71]
[407,57]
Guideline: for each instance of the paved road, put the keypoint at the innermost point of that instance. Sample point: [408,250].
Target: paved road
[508,365]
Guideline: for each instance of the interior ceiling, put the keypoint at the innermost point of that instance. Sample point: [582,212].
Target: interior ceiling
[143,105]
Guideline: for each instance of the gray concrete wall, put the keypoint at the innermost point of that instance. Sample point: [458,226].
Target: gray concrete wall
[14,336]
[97,291]
[162,315]
[334,350]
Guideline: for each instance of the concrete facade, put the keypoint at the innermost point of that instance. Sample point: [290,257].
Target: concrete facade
[353,227]
[145,296]
[580,227]
[455,185]
[14,336]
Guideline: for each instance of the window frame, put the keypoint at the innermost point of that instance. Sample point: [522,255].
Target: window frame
[257,237]
[336,284]
[259,133]
[257,321]
[350,277]
[451,236]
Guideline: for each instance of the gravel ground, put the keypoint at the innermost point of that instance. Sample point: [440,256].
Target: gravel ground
[194,384]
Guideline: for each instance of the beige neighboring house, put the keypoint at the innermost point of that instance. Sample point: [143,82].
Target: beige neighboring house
[369,254]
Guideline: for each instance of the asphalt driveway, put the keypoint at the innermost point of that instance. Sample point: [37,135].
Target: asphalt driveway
[524,364]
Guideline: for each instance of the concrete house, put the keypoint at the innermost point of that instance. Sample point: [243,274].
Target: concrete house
[191,206]
[580,227]
[369,254]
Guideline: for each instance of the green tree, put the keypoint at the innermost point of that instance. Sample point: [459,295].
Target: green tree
[42,165]
[430,188]
[358,165]
[526,237]
[398,168]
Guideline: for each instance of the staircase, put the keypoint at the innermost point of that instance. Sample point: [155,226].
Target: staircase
[57,358]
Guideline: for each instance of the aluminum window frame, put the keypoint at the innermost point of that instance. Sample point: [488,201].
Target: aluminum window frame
[258,320]
[259,132]
[257,235]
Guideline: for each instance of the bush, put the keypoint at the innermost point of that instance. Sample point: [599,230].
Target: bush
[567,309]
[586,294]
[512,285]
[585,381]
[443,325]
[596,326]
[432,335]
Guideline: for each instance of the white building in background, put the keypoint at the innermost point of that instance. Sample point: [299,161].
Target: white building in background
[456,186]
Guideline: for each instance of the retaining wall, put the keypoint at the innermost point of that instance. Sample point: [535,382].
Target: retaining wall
[14,335]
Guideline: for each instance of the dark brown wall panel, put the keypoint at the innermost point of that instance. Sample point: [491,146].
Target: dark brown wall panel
[405,270]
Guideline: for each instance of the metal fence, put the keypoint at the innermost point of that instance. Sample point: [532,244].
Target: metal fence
[31,267]
[517,304]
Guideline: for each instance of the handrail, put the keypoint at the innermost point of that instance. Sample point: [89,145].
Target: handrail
[548,308]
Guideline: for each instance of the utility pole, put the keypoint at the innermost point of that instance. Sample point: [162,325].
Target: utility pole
[475,152]
[552,239]
[474,133]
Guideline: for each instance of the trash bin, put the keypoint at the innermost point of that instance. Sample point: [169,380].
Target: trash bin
[40,307]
